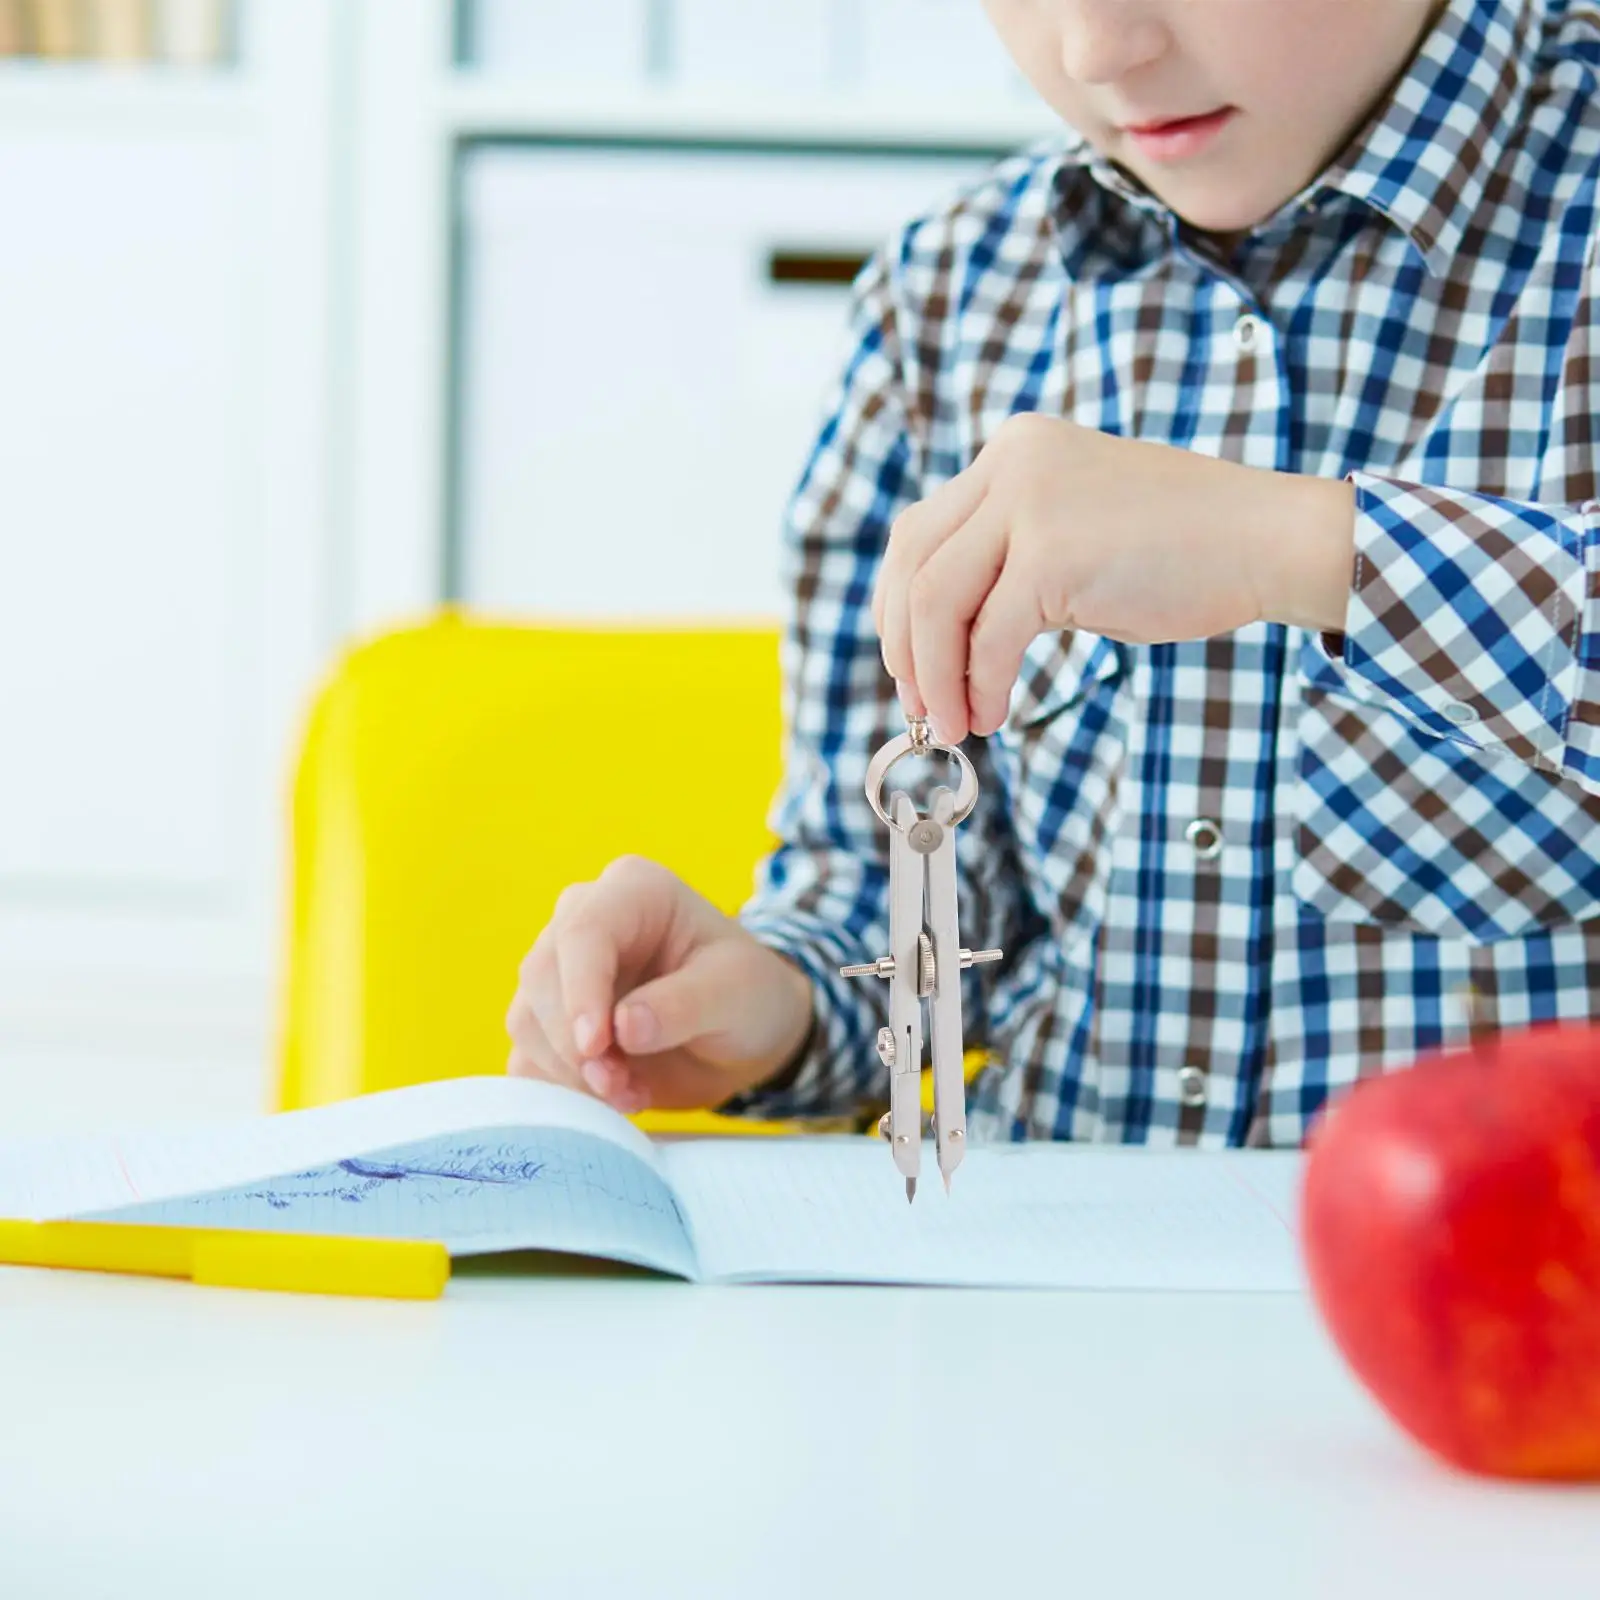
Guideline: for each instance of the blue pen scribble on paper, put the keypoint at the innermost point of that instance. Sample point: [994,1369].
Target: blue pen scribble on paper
[356,1180]
[543,1188]
[471,1165]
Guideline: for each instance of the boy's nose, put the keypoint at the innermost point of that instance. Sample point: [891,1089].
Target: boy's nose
[1103,40]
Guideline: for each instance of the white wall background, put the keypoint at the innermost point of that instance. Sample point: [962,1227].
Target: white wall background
[291,346]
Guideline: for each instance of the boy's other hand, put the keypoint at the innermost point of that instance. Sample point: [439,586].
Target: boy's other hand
[642,992]
[1058,526]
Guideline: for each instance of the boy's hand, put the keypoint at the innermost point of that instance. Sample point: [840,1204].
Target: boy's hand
[1059,526]
[642,992]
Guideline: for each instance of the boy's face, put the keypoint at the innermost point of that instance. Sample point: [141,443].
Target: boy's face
[1289,80]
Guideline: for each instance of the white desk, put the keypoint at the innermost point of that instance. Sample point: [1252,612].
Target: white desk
[622,1436]
[599,1436]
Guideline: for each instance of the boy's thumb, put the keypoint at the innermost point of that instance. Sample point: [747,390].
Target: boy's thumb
[684,1005]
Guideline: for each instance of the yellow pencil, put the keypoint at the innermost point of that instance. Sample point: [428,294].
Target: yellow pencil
[301,1263]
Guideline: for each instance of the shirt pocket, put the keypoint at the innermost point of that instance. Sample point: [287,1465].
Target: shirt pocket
[1060,671]
[1061,755]
[1419,832]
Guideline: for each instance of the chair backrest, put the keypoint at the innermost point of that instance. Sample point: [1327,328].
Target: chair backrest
[455,776]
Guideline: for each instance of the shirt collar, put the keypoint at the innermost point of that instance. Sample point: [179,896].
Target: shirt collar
[1425,155]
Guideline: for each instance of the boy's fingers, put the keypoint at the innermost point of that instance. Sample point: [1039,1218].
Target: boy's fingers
[915,535]
[532,1055]
[612,1081]
[924,527]
[947,593]
[586,967]
[519,1017]
[1011,619]
[698,999]
[619,921]
[538,1020]
[911,702]
[606,1080]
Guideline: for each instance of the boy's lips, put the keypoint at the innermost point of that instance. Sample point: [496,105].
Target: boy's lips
[1173,138]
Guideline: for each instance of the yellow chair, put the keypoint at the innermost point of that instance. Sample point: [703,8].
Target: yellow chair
[454,777]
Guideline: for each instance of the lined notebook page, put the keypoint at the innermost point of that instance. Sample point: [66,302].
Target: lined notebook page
[1042,1216]
[74,1177]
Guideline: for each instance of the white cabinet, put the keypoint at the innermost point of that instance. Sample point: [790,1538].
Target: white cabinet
[910,51]
[646,348]
[230,313]
[658,203]
[163,532]
[925,47]
[121,628]
[590,43]
[784,46]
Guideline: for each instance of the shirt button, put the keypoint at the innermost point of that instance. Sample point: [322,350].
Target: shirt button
[1191,1086]
[1205,834]
[1460,714]
[1247,331]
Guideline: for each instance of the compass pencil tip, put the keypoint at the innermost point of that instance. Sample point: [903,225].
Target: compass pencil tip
[911,1190]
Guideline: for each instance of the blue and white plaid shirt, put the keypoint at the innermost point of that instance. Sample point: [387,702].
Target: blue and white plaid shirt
[1232,876]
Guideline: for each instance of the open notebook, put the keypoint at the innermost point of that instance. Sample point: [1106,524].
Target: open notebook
[490,1164]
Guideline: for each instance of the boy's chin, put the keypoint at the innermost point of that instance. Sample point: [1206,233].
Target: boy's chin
[1220,205]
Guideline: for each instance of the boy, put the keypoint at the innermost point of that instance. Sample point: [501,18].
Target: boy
[1243,445]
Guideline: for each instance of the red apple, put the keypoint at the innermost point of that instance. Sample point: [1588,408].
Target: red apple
[1450,1221]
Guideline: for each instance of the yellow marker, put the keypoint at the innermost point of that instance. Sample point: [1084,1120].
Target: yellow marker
[302,1263]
